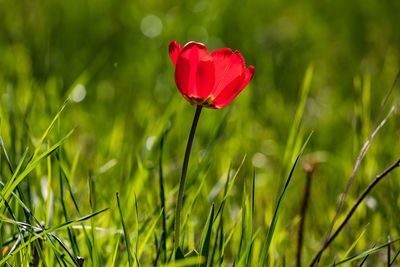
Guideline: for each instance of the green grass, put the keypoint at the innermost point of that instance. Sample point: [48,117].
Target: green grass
[93,134]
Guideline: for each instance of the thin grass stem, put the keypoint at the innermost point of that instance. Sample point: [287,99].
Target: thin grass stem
[303,212]
[353,209]
[361,155]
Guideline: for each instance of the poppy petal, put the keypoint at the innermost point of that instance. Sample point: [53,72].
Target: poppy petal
[228,67]
[205,78]
[230,91]
[182,75]
[174,50]
[248,76]
[195,71]
[234,88]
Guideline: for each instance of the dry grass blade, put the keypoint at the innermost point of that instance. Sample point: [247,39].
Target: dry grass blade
[362,153]
[353,209]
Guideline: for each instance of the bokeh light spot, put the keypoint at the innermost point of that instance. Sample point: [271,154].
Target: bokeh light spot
[259,160]
[78,93]
[151,26]
[150,142]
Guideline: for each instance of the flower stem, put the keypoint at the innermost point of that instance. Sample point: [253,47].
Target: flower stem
[179,201]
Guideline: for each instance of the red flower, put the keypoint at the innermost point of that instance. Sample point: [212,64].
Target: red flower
[211,80]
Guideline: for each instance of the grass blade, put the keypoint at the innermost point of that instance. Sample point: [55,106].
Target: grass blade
[8,184]
[67,175]
[147,236]
[115,253]
[247,250]
[37,149]
[196,195]
[219,237]
[365,259]
[305,89]
[395,257]
[50,230]
[13,183]
[71,235]
[126,235]
[271,230]
[228,189]
[190,261]
[244,226]
[206,237]
[6,155]
[355,242]
[363,254]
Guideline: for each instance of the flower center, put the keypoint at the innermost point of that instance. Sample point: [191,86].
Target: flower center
[208,102]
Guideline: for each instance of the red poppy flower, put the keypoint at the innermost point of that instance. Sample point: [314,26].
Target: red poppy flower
[211,80]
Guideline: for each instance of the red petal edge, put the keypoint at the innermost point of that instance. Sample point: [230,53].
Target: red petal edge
[225,100]
[249,75]
[174,50]
[191,44]
[228,67]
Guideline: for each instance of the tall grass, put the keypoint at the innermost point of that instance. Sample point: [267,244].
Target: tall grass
[93,180]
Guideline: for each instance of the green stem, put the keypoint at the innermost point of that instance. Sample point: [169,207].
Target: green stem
[179,201]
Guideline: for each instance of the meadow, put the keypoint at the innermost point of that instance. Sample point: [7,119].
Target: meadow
[93,134]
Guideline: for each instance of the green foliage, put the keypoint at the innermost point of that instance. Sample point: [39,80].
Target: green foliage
[274,221]
[89,108]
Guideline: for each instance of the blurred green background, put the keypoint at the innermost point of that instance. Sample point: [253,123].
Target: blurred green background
[111,58]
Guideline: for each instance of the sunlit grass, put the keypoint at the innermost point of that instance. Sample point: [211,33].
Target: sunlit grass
[97,176]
